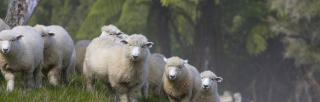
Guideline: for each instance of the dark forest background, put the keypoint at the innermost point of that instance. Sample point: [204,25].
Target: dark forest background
[268,50]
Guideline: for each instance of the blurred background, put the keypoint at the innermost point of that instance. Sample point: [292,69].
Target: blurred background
[268,50]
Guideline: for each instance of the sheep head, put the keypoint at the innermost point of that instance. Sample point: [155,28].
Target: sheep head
[111,30]
[46,34]
[138,47]
[175,68]
[209,80]
[8,41]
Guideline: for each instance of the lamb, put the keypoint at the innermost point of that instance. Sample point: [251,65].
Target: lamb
[22,47]
[81,47]
[156,68]
[58,53]
[209,87]
[181,81]
[122,66]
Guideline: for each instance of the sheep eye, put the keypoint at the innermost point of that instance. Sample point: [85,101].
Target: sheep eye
[143,46]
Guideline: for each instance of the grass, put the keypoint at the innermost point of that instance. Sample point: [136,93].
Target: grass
[74,92]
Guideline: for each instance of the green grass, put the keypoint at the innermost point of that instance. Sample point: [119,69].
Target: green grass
[74,92]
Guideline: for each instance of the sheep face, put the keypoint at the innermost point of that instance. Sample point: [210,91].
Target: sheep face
[209,80]
[45,34]
[47,38]
[138,47]
[8,42]
[175,68]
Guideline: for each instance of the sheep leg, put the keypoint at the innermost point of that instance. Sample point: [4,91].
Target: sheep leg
[53,76]
[172,100]
[38,77]
[124,97]
[90,81]
[144,89]
[112,92]
[28,79]
[9,77]
[64,75]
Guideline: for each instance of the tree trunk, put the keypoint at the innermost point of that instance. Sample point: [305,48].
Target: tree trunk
[20,11]
[160,16]
[208,46]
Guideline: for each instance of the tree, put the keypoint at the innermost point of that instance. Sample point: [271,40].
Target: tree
[20,11]
[298,22]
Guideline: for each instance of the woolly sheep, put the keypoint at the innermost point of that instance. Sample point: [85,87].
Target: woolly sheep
[81,47]
[122,66]
[226,97]
[181,81]
[58,52]
[209,87]
[22,47]
[156,68]
[229,97]
[112,33]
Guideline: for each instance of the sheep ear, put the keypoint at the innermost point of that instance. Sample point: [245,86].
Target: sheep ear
[119,33]
[165,59]
[43,35]
[149,44]
[50,33]
[219,79]
[124,41]
[19,37]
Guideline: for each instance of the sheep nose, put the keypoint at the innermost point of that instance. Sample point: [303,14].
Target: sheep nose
[134,57]
[172,76]
[205,86]
[5,50]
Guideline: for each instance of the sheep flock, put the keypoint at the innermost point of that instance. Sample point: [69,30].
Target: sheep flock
[123,62]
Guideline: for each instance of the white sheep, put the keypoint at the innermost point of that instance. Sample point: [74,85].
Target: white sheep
[81,47]
[226,97]
[122,66]
[22,49]
[112,33]
[181,81]
[156,68]
[58,53]
[209,87]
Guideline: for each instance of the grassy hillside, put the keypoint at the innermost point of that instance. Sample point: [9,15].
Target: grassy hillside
[74,92]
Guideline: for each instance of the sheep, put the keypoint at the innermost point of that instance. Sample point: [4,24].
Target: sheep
[122,66]
[209,87]
[58,53]
[237,97]
[181,81]
[229,97]
[112,33]
[22,47]
[81,47]
[226,97]
[156,68]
